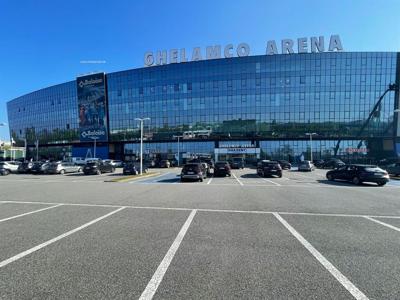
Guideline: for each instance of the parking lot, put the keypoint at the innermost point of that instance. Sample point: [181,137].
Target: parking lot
[295,237]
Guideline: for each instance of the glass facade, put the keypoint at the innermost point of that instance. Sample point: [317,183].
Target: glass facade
[274,100]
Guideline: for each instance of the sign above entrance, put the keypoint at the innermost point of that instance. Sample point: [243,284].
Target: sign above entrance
[287,46]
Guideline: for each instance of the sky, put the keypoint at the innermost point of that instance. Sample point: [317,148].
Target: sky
[45,42]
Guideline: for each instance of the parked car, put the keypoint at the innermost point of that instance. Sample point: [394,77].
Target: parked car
[63,168]
[133,168]
[25,167]
[222,168]
[39,167]
[4,172]
[79,161]
[269,168]
[285,164]
[237,163]
[318,163]
[193,171]
[165,164]
[306,166]
[393,169]
[98,167]
[10,166]
[332,163]
[115,163]
[359,174]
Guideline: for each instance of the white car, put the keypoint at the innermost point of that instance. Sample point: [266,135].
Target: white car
[10,166]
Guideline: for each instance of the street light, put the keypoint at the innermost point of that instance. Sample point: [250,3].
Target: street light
[94,138]
[178,137]
[141,120]
[311,134]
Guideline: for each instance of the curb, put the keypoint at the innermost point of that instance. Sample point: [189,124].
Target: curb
[133,177]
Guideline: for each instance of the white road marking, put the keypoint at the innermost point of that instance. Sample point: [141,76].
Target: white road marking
[267,180]
[29,213]
[208,209]
[209,181]
[237,179]
[155,281]
[383,223]
[40,246]
[346,283]
[149,178]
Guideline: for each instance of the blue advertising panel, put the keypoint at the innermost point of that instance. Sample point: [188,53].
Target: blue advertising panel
[92,107]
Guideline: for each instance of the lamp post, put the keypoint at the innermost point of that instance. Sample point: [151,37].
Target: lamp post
[179,156]
[141,120]
[94,138]
[311,134]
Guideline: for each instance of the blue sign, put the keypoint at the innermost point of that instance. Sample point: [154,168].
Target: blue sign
[92,107]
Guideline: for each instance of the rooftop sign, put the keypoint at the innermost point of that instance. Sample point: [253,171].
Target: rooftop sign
[287,46]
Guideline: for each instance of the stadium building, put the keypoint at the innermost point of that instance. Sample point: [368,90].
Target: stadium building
[251,106]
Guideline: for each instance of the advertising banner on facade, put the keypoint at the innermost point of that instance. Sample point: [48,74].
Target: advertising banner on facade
[92,107]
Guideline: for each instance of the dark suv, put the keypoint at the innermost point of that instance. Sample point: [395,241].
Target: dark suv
[193,171]
[222,168]
[269,168]
[285,164]
[237,163]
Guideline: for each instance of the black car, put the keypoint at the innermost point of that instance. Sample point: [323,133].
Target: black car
[98,167]
[193,171]
[132,168]
[359,174]
[39,167]
[332,163]
[237,163]
[285,164]
[318,163]
[269,168]
[222,168]
[25,167]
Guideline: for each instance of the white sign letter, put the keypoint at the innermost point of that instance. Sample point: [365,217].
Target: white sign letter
[317,45]
[148,59]
[213,52]
[227,51]
[335,43]
[302,45]
[183,55]
[271,48]
[161,57]
[173,56]
[243,50]
[196,54]
[287,46]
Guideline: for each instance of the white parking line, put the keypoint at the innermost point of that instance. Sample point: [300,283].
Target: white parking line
[29,213]
[346,283]
[241,183]
[209,181]
[155,281]
[210,210]
[267,180]
[40,246]
[383,223]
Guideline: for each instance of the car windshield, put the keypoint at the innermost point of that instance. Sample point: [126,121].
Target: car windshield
[221,164]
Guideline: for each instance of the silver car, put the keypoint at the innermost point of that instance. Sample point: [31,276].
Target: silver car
[306,166]
[63,168]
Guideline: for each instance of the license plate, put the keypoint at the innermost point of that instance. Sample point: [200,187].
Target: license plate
[190,173]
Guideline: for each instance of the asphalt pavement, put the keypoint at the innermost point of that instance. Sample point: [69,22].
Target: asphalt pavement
[244,237]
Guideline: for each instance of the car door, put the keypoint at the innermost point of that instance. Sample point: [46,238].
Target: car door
[350,173]
[340,173]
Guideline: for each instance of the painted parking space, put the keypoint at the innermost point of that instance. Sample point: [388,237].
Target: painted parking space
[179,254]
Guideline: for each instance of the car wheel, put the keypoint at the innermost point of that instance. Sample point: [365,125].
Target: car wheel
[201,179]
[62,172]
[6,172]
[79,170]
[280,175]
[381,183]
[356,180]
[330,177]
